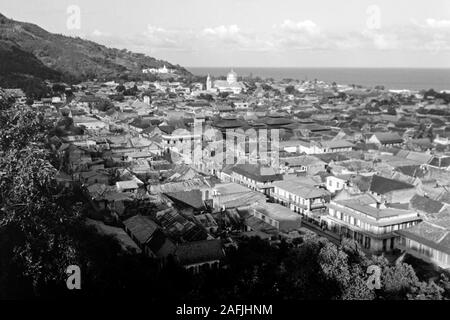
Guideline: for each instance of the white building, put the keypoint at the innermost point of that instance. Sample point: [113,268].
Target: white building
[336,183]
[230,85]
[372,225]
[163,70]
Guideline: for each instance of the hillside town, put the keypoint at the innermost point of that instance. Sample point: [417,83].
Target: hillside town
[367,164]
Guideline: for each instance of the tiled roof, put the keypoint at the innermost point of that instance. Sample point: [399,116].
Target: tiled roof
[298,187]
[383,185]
[192,198]
[361,211]
[287,219]
[424,204]
[412,171]
[130,184]
[142,227]
[388,137]
[441,162]
[257,172]
[334,144]
[429,234]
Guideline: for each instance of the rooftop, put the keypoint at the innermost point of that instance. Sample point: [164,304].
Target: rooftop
[301,188]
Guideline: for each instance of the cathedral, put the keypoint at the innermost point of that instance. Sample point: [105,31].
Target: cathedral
[231,85]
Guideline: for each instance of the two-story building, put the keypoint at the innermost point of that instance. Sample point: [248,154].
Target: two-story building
[255,177]
[372,225]
[300,197]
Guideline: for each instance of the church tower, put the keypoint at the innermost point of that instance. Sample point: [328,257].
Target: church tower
[208,83]
[231,77]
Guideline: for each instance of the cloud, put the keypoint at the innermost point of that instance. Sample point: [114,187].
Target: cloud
[233,38]
[162,38]
[430,35]
[222,31]
[307,26]
[438,24]
[229,36]
[98,33]
[379,40]
[299,35]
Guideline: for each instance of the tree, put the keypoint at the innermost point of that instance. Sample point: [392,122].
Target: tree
[104,105]
[223,95]
[58,88]
[391,111]
[42,229]
[290,90]
[21,127]
[206,97]
[34,213]
[350,276]
[120,88]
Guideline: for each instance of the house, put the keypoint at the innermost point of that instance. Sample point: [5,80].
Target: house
[90,123]
[300,197]
[278,216]
[207,221]
[386,139]
[336,183]
[190,200]
[445,141]
[426,206]
[305,163]
[178,227]
[233,195]
[291,146]
[103,196]
[255,176]
[373,226]
[387,190]
[127,186]
[149,236]
[78,157]
[199,255]
[202,184]
[241,105]
[178,137]
[141,144]
[92,177]
[332,146]
[130,156]
[428,241]
[440,162]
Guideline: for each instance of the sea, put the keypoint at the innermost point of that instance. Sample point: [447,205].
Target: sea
[391,78]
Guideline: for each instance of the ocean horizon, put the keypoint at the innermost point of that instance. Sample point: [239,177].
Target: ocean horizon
[390,78]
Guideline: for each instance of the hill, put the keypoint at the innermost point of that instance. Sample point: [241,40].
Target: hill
[73,58]
[20,69]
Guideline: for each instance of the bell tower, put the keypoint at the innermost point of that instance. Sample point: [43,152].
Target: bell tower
[208,83]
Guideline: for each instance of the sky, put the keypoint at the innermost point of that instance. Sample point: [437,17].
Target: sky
[256,33]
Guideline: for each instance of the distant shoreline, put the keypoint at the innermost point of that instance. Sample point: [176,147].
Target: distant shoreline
[371,68]
[391,78]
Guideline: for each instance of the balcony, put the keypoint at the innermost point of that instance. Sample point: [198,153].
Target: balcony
[318,205]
